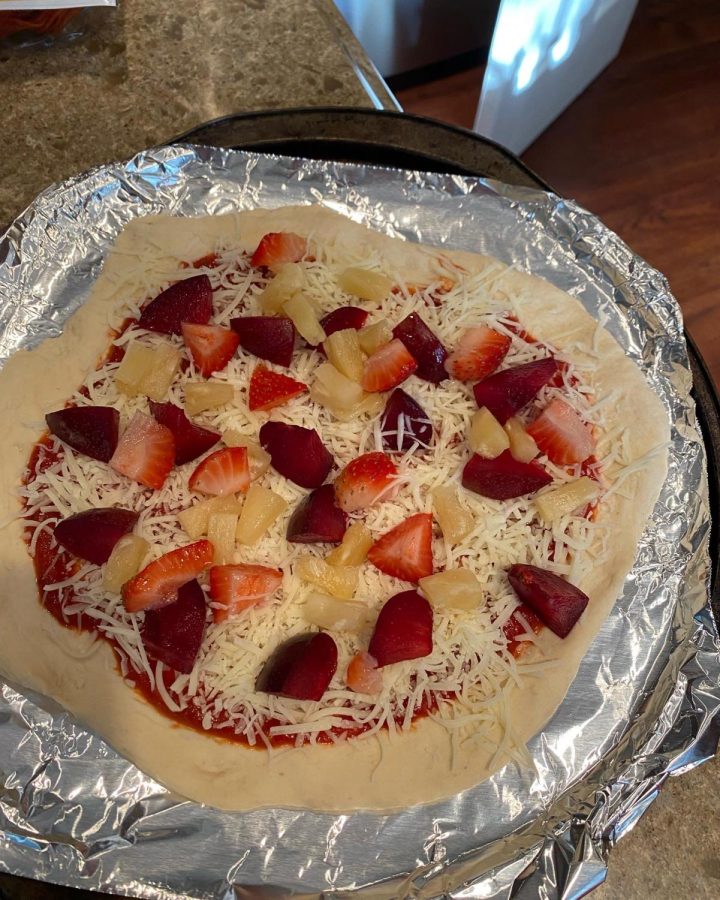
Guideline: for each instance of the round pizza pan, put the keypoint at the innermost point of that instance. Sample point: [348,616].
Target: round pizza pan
[399,140]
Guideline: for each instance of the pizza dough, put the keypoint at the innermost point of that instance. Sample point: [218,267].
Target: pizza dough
[383,772]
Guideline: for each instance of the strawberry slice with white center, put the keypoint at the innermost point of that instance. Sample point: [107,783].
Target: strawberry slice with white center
[561,434]
[158,583]
[241,586]
[388,367]
[365,481]
[479,352]
[223,472]
[278,247]
[210,346]
[145,452]
[403,629]
[269,389]
[362,674]
[406,550]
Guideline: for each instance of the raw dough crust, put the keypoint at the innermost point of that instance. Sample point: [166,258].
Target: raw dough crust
[385,772]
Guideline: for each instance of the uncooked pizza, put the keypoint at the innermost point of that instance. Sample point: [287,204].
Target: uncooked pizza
[297,513]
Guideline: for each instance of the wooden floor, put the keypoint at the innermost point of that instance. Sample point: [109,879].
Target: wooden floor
[641,148]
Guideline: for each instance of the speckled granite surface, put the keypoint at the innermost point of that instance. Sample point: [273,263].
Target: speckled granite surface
[147,70]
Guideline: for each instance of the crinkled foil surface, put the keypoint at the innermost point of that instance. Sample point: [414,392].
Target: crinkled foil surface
[643,706]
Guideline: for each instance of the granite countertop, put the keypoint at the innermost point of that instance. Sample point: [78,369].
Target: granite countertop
[134,76]
[145,71]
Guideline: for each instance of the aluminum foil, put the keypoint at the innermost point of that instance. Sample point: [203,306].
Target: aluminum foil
[643,706]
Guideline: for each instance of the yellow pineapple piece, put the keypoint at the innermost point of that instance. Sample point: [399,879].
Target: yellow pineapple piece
[373,337]
[305,319]
[343,351]
[559,501]
[258,459]
[125,561]
[289,281]
[338,581]
[354,547]
[195,519]
[261,508]
[455,522]
[371,405]
[207,395]
[221,534]
[336,615]
[335,391]
[148,370]
[522,445]
[453,589]
[487,436]
[365,284]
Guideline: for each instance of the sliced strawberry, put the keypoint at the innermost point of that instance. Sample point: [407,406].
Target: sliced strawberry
[241,586]
[267,337]
[404,424]
[344,317]
[158,583]
[92,430]
[365,481]
[297,453]
[317,519]
[516,626]
[504,477]
[561,434]
[506,392]
[92,534]
[406,550]
[145,452]
[278,247]
[362,675]
[224,472]
[185,301]
[174,634]
[556,601]
[269,389]
[479,352]
[191,440]
[388,367]
[301,668]
[210,346]
[403,629]
[424,346]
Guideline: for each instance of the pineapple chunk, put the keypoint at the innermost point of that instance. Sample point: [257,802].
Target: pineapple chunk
[455,522]
[221,534]
[343,351]
[335,391]
[338,581]
[194,520]
[560,501]
[258,459]
[289,281]
[365,284]
[371,405]
[337,615]
[373,337]
[453,589]
[262,506]
[354,547]
[148,370]
[125,561]
[207,395]
[304,318]
[522,445]
[487,436]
